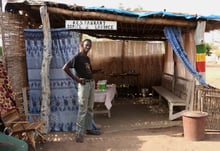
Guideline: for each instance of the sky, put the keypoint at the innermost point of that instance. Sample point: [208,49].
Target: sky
[200,7]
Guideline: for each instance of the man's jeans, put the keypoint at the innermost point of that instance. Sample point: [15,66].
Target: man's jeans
[86,103]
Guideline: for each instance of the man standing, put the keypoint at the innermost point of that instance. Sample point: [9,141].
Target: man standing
[86,84]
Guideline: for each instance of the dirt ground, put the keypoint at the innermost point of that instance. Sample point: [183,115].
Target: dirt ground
[165,139]
[213,74]
[145,133]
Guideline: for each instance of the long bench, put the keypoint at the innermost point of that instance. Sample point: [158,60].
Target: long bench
[172,99]
[174,93]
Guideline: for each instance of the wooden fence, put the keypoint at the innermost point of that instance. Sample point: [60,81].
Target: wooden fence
[129,63]
[208,100]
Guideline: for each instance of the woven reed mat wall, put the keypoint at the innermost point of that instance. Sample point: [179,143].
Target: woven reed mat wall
[14,51]
[119,58]
[208,100]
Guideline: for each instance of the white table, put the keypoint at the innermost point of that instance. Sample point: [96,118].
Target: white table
[106,96]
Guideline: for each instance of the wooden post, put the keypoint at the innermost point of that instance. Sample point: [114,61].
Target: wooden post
[200,55]
[174,74]
[189,43]
[200,48]
[123,56]
[45,71]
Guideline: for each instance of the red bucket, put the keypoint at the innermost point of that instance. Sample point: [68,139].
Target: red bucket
[194,125]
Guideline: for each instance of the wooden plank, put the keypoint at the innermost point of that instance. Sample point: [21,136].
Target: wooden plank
[176,115]
[45,71]
[169,96]
[10,117]
[98,15]
[172,99]
[17,127]
[103,111]
[25,100]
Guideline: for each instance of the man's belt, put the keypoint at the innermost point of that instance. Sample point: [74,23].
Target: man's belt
[88,80]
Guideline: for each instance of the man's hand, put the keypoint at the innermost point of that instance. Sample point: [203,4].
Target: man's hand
[81,81]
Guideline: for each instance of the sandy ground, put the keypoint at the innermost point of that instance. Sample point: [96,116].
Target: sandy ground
[213,74]
[138,131]
[166,139]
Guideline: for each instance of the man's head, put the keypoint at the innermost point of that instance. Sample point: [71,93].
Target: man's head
[86,45]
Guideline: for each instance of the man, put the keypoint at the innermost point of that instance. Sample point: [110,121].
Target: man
[86,84]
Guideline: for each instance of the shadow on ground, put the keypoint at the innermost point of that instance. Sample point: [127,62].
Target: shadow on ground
[130,118]
[136,113]
[137,124]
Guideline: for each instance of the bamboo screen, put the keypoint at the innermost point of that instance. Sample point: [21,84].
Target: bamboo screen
[14,51]
[208,100]
[122,57]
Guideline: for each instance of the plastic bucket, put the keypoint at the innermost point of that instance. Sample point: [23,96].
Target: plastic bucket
[101,86]
[194,125]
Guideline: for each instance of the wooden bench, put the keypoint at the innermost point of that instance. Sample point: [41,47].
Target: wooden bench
[175,93]
[172,99]
[17,126]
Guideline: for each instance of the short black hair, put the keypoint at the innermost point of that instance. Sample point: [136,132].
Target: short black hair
[89,40]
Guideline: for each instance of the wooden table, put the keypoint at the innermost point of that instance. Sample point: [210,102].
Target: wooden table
[105,96]
[127,83]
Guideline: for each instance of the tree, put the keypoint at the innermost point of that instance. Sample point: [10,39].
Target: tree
[139,9]
[208,49]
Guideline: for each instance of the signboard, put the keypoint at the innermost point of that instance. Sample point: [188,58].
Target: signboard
[91,24]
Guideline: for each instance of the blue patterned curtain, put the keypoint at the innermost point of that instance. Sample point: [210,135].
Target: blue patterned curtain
[173,34]
[63,105]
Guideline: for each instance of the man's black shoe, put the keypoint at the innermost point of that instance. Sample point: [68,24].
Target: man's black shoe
[79,138]
[93,132]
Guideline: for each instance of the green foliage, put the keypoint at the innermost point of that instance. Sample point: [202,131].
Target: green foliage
[208,49]
[139,9]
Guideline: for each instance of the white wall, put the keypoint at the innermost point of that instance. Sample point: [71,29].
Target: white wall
[213,37]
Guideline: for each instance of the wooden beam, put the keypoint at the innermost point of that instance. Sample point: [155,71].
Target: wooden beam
[45,71]
[122,56]
[117,37]
[212,25]
[121,18]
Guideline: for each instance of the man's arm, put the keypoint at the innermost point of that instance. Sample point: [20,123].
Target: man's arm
[66,68]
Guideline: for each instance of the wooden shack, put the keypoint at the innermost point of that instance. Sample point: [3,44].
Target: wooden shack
[139,44]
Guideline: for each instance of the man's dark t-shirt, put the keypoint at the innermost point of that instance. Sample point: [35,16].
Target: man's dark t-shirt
[81,63]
